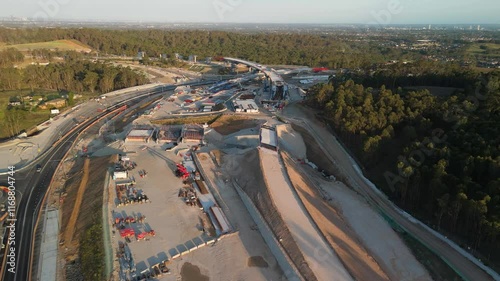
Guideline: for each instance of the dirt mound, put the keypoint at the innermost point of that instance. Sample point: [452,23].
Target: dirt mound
[337,232]
[190,272]
[227,125]
[291,141]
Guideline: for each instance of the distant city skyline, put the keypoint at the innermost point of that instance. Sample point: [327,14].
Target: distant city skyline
[378,12]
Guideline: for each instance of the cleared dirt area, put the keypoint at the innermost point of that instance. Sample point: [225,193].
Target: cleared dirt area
[227,124]
[68,235]
[339,235]
[90,212]
[250,177]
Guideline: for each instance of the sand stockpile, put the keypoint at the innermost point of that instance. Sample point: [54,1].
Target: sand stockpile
[291,141]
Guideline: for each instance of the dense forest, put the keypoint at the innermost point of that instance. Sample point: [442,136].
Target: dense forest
[273,48]
[438,157]
[78,76]
[70,75]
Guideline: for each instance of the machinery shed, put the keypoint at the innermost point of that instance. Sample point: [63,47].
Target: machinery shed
[139,135]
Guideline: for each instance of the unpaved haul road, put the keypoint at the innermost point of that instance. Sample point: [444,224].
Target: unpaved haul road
[321,259]
[335,152]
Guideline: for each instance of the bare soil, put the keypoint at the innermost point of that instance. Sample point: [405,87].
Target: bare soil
[78,202]
[257,261]
[89,211]
[227,124]
[190,272]
[339,235]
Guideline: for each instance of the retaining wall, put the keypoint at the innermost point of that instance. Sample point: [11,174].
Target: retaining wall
[288,267]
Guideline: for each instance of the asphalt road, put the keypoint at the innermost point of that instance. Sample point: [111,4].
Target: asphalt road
[28,209]
[468,269]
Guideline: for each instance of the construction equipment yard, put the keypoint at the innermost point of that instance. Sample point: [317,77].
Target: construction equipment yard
[184,231]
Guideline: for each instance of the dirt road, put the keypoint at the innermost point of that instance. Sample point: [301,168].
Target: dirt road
[332,148]
[78,202]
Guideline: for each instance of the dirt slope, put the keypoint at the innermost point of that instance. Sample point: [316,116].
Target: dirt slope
[339,235]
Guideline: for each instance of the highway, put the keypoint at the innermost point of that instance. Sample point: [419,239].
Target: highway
[33,187]
[339,156]
[28,208]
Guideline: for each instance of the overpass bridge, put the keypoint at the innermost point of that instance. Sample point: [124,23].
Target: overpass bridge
[279,89]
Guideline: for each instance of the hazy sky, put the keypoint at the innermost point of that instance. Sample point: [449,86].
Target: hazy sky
[266,11]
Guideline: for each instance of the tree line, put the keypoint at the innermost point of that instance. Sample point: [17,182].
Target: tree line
[437,157]
[335,51]
[76,76]
[10,56]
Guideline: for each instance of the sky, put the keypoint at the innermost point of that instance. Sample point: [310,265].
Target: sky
[261,11]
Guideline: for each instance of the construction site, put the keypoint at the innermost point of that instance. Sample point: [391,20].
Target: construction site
[240,199]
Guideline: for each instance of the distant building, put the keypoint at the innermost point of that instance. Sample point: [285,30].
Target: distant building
[193,133]
[141,55]
[139,135]
[168,134]
[57,103]
[192,58]
[207,108]
[248,106]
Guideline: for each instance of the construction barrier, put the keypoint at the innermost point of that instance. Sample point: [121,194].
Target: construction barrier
[290,270]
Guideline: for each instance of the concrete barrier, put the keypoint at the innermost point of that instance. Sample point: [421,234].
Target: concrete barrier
[136,88]
[290,270]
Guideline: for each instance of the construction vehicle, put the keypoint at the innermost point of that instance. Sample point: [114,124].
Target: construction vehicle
[182,172]
[163,267]
[146,234]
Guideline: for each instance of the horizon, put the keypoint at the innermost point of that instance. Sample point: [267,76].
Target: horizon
[13,19]
[361,12]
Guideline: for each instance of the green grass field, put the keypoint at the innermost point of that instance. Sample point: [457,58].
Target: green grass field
[32,118]
[61,45]
[491,49]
